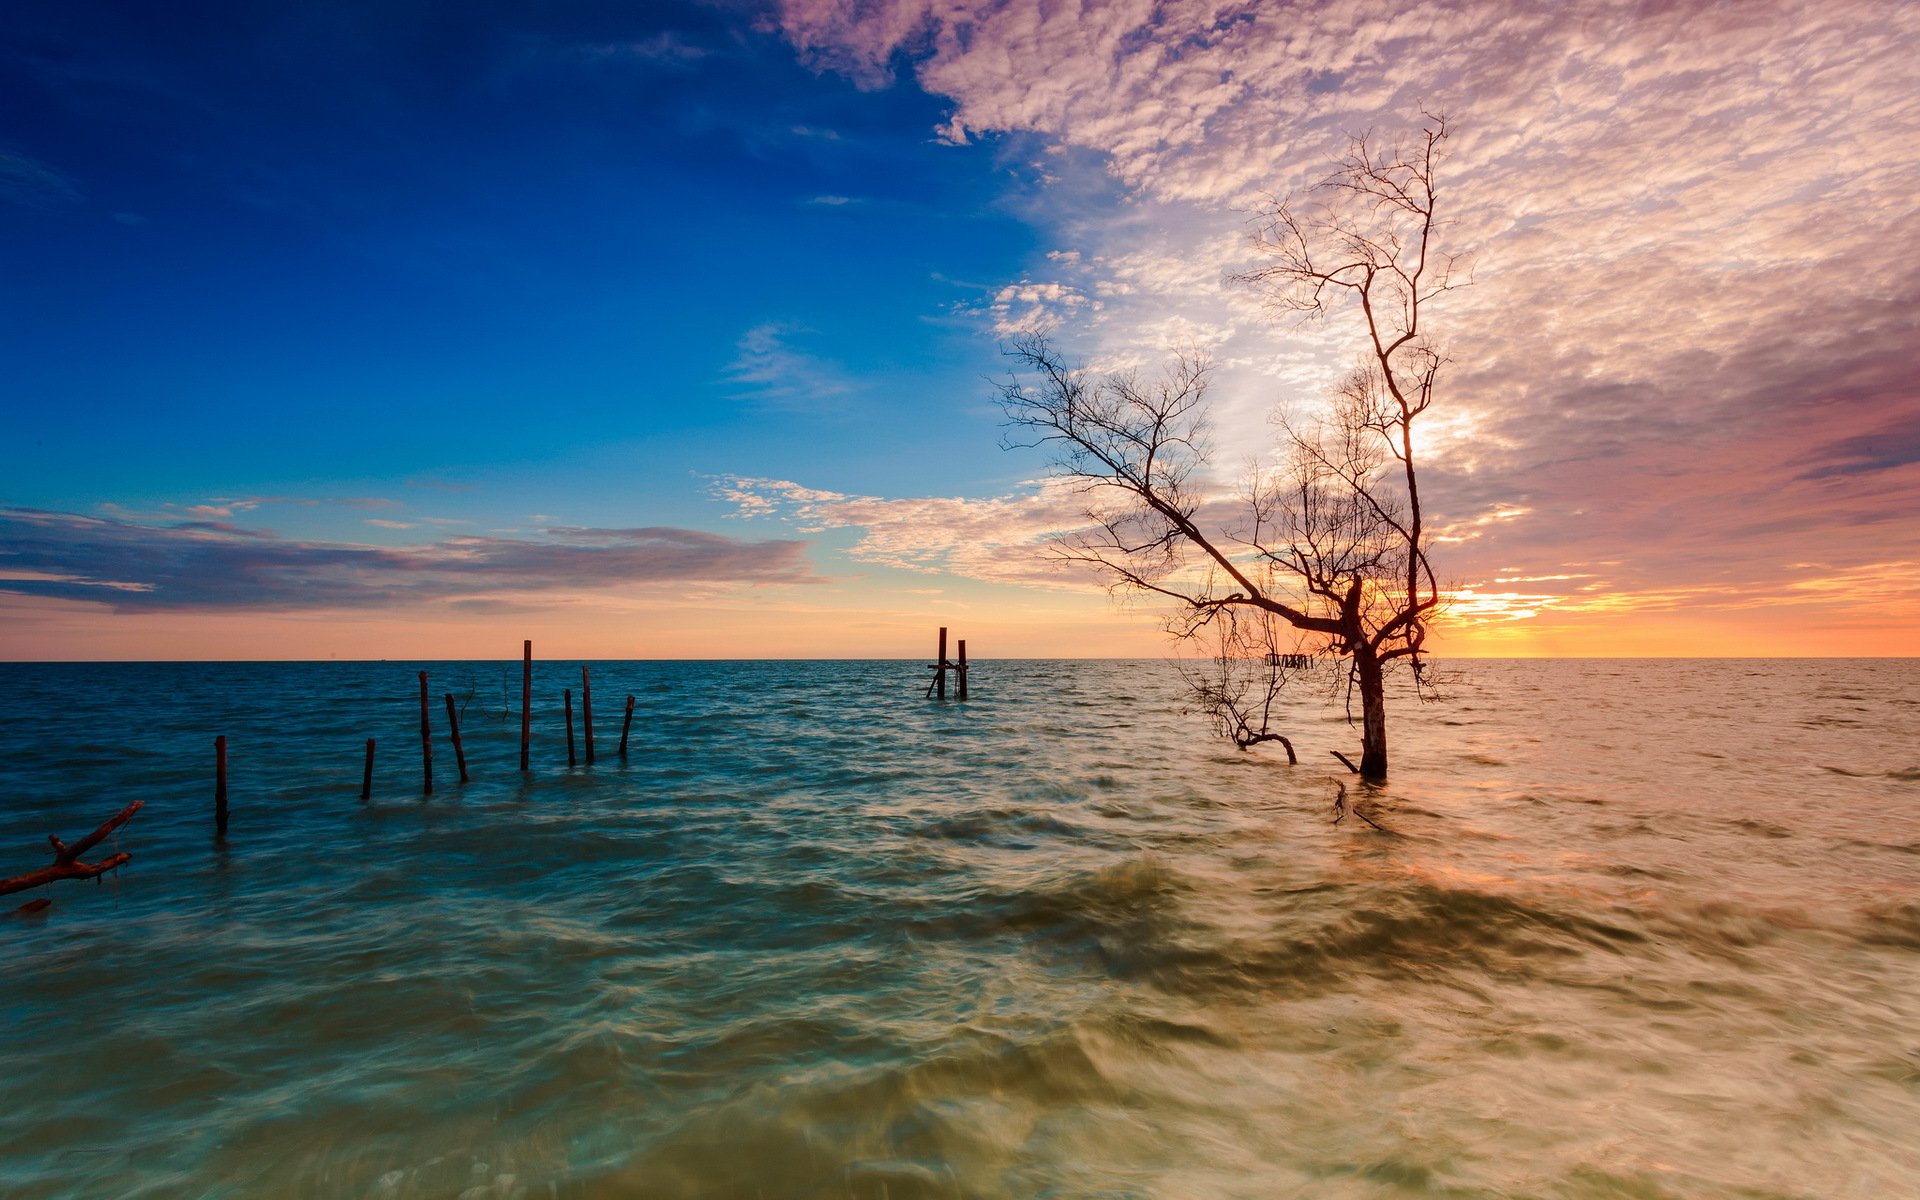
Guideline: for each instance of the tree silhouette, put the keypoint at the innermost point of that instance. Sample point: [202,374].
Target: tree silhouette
[1332,541]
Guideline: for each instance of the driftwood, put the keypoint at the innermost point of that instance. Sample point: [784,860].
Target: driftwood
[66,859]
[1343,758]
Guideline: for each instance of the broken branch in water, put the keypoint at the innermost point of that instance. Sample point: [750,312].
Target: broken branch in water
[1343,758]
[66,859]
[1341,808]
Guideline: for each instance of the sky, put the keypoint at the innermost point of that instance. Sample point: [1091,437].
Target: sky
[671,329]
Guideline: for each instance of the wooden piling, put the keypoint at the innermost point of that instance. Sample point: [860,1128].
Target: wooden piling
[960,669]
[570,759]
[586,710]
[526,701]
[366,775]
[625,726]
[453,725]
[426,742]
[940,667]
[220,786]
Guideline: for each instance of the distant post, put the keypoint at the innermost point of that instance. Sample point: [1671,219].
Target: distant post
[569,696]
[526,701]
[586,710]
[626,725]
[426,742]
[960,669]
[220,786]
[940,667]
[366,775]
[453,724]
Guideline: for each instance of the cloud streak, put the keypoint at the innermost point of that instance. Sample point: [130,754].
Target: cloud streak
[201,565]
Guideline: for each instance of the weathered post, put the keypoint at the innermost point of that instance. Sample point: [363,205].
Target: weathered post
[625,726]
[426,742]
[366,775]
[526,701]
[570,758]
[961,669]
[940,667]
[220,786]
[586,710]
[453,724]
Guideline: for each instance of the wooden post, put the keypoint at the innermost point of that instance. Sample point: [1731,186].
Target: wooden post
[220,786]
[426,742]
[626,725]
[961,669]
[940,668]
[526,701]
[366,776]
[453,723]
[570,758]
[586,710]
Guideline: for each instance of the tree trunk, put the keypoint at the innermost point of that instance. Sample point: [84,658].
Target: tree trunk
[1373,715]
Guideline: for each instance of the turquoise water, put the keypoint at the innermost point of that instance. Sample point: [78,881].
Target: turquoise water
[1638,929]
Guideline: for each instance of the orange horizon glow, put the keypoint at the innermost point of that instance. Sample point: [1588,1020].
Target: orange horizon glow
[1000,625]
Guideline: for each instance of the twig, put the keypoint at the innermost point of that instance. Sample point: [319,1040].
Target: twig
[66,859]
[1343,758]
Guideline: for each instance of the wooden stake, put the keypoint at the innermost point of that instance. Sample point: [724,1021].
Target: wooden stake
[220,786]
[526,701]
[426,742]
[366,776]
[940,668]
[586,710]
[962,668]
[626,725]
[570,759]
[453,724]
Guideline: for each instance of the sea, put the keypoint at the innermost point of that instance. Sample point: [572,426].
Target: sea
[1611,928]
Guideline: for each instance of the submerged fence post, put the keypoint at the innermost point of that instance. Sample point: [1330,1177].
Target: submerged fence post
[586,710]
[626,725]
[366,775]
[940,667]
[453,724]
[426,742]
[526,701]
[570,758]
[220,786]
[961,669]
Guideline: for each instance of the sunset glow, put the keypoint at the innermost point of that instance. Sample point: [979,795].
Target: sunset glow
[660,331]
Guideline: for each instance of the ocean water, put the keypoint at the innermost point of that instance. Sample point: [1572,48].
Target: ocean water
[1617,929]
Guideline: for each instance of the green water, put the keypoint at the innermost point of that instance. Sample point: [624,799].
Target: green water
[1634,929]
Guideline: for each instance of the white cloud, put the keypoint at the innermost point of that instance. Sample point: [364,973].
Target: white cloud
[1692,227]
[770,370]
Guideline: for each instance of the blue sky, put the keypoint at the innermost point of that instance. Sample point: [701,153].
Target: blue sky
[297,250]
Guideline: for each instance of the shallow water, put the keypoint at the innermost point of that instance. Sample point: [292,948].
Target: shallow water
[1637,929]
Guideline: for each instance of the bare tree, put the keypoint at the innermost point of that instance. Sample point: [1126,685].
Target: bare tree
[1333,541]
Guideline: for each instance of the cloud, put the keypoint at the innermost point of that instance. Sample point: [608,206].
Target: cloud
[1685,350]
[199,565]
[1001,539]
[667,48]
[769,370]
[31,183]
